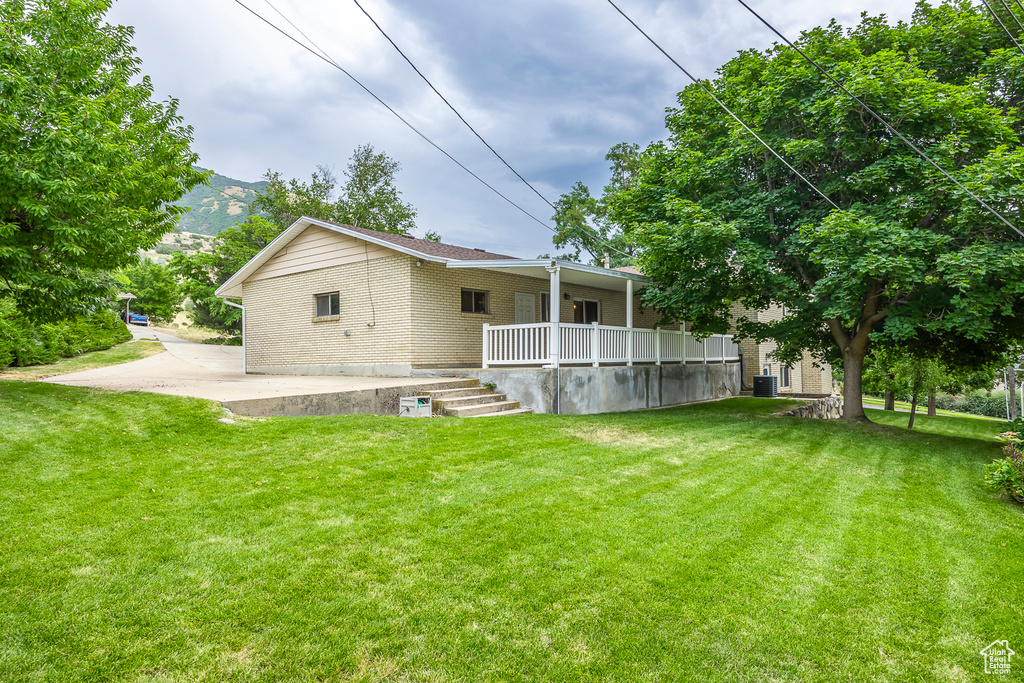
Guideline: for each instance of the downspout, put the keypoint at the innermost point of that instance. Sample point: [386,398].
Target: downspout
[245,362]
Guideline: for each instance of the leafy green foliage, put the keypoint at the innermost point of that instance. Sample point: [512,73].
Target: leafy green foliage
[583,223]
[1007,474]
[908,259]
[88,162]
[26,342]
[202,273]
[975,403]
[156,289]
[369,198]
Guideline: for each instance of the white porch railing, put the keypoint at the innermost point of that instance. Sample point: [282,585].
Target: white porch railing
[596,344]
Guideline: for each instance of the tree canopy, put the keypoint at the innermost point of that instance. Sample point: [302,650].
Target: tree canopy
[156,290]
[89,163]
[908,259]
[583,223]
[368,199]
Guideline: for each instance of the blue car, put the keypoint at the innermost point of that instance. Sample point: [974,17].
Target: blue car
[136,319]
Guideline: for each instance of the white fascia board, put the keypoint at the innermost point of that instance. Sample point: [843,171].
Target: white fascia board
[233,287]
[544,263]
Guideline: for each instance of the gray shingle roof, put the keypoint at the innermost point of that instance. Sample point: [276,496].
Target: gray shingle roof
[427,247]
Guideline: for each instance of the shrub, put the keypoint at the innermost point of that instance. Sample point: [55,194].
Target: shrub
[23,342]
[1007,474]
[976,404]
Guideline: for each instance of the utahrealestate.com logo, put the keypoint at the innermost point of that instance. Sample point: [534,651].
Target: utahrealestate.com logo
[997,657]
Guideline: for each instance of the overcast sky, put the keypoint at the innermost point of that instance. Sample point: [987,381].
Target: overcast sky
[551,84]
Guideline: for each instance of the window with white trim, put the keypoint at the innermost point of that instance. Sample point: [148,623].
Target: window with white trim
[545,307]
[327,305]
[784,376]
[475,301]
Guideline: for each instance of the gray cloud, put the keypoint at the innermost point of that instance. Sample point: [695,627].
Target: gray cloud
[551,85]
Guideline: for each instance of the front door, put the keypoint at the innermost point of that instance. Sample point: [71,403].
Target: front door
[525,313]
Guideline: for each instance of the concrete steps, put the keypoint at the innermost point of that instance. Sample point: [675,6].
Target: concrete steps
[473,400]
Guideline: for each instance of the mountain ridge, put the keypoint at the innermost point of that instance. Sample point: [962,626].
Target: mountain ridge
[219,205]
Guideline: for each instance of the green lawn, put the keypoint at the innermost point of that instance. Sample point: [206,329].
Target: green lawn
[922,408]
[145,541]
[120,353]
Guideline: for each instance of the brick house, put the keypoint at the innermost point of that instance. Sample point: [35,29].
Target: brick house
[326,298]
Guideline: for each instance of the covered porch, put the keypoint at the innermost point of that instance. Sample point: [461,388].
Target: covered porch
[585,340]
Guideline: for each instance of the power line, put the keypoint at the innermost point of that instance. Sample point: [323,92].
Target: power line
[1012,15]
[450,106]
[322,55]
[413,128]
[881,120]
[1000,22]
[722,105]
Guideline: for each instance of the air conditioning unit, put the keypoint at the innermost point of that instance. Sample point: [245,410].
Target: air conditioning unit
[414,406]
[766,386]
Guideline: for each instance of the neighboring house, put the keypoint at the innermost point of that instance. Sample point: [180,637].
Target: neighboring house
[806,377]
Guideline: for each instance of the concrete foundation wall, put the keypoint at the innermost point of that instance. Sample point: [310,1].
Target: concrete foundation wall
[588,390]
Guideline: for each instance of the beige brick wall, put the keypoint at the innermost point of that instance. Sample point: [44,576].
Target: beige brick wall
[419,320]
[280,330]
[447,336]
[804,377]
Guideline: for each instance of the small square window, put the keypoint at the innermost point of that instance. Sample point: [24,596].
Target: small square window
[474,301]
[328,305]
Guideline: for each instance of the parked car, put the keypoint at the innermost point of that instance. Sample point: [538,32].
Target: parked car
[135,319]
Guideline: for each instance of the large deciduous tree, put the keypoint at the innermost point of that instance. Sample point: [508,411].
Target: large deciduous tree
[583,223]
[368,199]
[89,163]
[908,258]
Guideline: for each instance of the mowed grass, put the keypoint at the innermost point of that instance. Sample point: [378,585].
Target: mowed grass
[145,541]
[125,352]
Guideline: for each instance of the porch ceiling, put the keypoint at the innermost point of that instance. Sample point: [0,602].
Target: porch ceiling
[570,272]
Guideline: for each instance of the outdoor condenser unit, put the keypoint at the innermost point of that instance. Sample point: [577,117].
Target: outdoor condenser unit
[414,406]
[766,386]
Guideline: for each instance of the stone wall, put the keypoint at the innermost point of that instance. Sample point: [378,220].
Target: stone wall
[829,408]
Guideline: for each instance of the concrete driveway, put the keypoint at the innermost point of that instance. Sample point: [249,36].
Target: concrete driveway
[215,372]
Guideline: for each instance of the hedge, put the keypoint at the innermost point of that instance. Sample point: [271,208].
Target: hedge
[23,342]
[976,404]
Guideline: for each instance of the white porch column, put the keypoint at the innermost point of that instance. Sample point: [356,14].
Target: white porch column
[554,315]
[485,363]
[629,322]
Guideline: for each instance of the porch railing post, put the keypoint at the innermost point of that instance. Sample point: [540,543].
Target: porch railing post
[629,350]
[487,346]
[595,346]
[704,348]
[657,346]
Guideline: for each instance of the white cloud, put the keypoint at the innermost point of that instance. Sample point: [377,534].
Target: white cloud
[550,84]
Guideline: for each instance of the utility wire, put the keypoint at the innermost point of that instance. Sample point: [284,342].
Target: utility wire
[450,106]
[721,104]
[413,128]
[1012,15]
[881,120]
[320,54]
[1000,22]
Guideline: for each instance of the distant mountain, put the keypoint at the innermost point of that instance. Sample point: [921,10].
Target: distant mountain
[219,205]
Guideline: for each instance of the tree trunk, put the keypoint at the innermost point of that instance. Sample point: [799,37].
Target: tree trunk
[890,400]
[931,405]
[913,410]
[1011,386]
[853,399]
